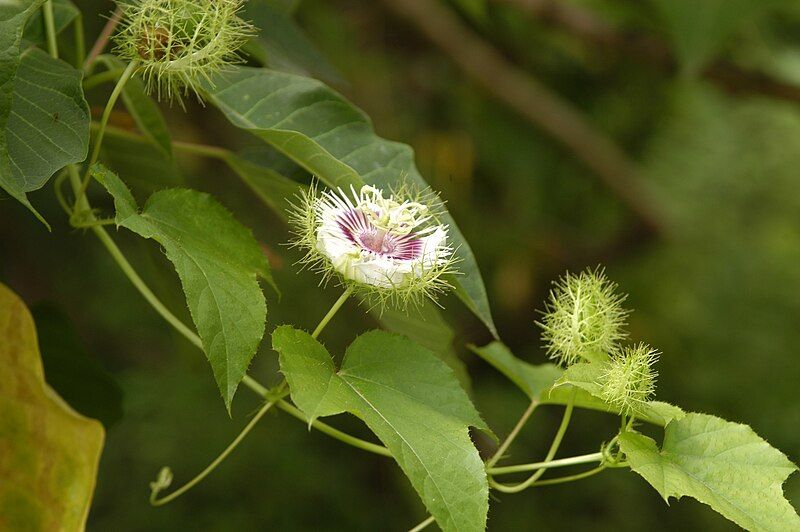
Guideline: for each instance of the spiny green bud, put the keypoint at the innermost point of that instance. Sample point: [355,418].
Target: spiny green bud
[181,43]
[583,319]
[630,380]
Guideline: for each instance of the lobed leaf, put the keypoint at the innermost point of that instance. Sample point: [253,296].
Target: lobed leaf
[413,403]
[587,376]
[48,452]
[426,326]
[578,384]
[217,260]
[329,137]
[272,188]
[722,464]
[533,380]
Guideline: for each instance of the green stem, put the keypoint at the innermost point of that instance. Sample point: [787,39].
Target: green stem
[98,79]
[562,429]
[571,478]
[204,150]
[80,41]
[561,462]
[102,39]
[190,335]
[50,29]
[513,434]
[83,204]
[422,525]
[123,79]
[205,472]
[551,481]
[332,312]
[334,433]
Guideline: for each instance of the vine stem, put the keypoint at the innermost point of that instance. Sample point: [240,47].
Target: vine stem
[127,269]
[334,433]
[277,399]
[512,435]
[562,462]
[205,472]
[190,335]
[192,148]
[562,429]
[50,28]
[80,41]
[422,525]
[102,39]
[98,79]
[332,312]
[123,79]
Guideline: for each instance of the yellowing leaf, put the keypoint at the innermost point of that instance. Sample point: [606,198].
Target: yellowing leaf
[48,452]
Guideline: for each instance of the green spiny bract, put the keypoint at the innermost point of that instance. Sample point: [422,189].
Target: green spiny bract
[630,379]
[181,43]
[583,319]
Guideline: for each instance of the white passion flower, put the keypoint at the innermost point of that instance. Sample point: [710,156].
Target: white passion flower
[392,248]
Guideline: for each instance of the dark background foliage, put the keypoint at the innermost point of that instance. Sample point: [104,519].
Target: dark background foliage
[703,232]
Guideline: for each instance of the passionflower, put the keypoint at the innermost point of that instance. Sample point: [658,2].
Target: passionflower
[629,378]
[391,247]
[180,44]
[583,319]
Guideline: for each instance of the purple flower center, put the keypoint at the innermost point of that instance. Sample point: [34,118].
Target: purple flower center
[357,228]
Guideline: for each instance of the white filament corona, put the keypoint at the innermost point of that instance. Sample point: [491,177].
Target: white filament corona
[379,241]
[390,249]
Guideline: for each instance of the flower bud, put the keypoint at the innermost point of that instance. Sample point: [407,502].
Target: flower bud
[630,380]
[583,319]
[180,43]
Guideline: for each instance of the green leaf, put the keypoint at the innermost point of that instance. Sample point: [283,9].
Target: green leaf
[722,464]
[282,45]
[13,17]
[425,325]
[412,402]
[77,377]
[49,452]
[49,123]
[587,376]
[142,165]
[699,30]
[535,381]
[64,12]
[143,109]
[217,260]
[272,188]
[552,385]
[325,134]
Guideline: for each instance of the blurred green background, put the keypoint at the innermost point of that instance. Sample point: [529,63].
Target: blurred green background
[702,230]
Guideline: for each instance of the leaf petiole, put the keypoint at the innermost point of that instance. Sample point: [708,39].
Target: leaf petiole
[123,79]
[550,454]
[50,28]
